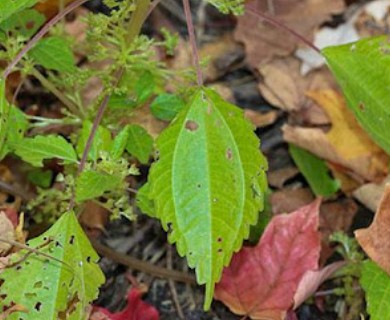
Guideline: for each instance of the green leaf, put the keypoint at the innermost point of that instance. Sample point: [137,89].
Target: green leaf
[101,142]
[144,87]
[166,106]
[40,178]
[91,184]
[25,23]
[4,117]
[144,202]
[54,53]
[121,102]
[56,287]
[362,70]
[208,185]
[10,7]
[119,144]
[35,150]
[226,6]
[376,284]
[14,132]
[315,172]
[139,143]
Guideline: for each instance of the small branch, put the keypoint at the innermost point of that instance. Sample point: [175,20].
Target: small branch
[191,34]
[49,86]
[45,29]
[172,287]
[143,266]
[7,188]
[282,26]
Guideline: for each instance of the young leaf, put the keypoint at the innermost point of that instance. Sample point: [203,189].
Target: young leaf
[56,287]
[376,284]
[227,6]
[91,184]
[139,143]
[35,150]
[119,144]
[166,106]
[10,7]
[4,116]
[101,142]
[54,53]
[315,171]
[144,87]
[144,202]
[261,281]
[362,70]
[208,184]
[40,178]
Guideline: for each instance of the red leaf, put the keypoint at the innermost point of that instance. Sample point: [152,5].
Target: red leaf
[136,309]
[261,281]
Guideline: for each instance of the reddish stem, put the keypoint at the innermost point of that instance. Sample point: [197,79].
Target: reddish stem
[191,33]
[45,29]
[282,26]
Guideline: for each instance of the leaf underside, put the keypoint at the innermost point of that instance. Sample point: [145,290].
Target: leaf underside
[362,70]
[50,289]
[208,184]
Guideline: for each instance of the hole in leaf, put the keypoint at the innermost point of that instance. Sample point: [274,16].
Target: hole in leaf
[229,154]
[88,259]
[10,199]
[71,241]
[18,268]
[361,106]
[38,306]
[220,250]
[191,125]
[58,244]
[219,239]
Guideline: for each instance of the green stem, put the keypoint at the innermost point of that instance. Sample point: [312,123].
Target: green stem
[49,86]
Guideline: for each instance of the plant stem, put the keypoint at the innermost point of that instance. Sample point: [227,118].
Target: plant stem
[282,26]
[45,29]
[191,34]
[49,86]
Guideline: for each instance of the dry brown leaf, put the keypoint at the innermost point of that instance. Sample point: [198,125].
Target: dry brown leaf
[7,232]
[143,117]
[261,119]
[345,144]
[94,217]
[347,182]
[288,200]
[374,239]
[50,7]
[279,177]
[263,42]
[370,194]
[283,86]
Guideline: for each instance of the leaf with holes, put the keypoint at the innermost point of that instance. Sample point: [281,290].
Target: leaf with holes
[362,70]
[208,184]
[60,282]
[35,150]
[25,23]
[376,284]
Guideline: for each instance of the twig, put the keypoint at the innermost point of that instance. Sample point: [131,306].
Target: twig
[5,187]
[136,264]
[191,34]
[45,29]
[172,285]
[282,26]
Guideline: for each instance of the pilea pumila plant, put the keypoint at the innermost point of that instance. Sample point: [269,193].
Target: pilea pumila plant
[206,185]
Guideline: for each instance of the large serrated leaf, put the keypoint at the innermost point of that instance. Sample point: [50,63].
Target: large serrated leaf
[376,284]
[208,184]
[47,288]
[9,7]
[362,70]
[35,150]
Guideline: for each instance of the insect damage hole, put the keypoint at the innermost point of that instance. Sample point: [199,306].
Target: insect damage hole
[191,125]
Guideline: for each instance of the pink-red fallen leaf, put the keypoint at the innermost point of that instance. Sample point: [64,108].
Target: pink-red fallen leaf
[136,309]
[312,280]
[261,281]
[12,215]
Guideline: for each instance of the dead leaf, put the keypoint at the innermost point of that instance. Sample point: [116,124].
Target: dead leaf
[279,177]
[7,232]
[143,117]
[374,239]
[287,200]
[370,194]
[260,282]
[50,7]
[283,86]
[311,281]
[94,217]
[346,143]
[263,41]
[261,119]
